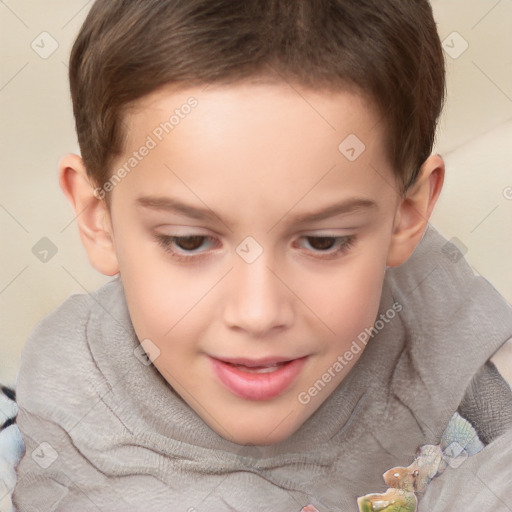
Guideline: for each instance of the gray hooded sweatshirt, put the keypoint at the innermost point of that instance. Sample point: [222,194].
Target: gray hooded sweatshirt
[105,432]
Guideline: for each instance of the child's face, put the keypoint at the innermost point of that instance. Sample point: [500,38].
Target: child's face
[239,174]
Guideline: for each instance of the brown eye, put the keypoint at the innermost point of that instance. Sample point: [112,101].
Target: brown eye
[189,243]
[321,243]
[184,248]
[416,474]
[326,247]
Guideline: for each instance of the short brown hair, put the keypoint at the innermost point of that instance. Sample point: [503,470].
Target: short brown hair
[387,49]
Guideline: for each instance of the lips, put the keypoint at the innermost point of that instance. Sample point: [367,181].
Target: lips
[260,379]
[251,363]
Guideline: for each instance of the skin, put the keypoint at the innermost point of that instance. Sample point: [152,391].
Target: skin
[256,155]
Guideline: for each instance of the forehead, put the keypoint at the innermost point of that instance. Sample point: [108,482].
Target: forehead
[265,140]
[258,105]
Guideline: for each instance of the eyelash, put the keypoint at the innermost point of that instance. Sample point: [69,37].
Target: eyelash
[345,243]
[167,242]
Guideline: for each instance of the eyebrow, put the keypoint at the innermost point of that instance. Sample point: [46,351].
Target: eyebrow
[175,206]
[341,208]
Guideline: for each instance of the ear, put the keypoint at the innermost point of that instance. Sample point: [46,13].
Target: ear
[92,215]
[414,211]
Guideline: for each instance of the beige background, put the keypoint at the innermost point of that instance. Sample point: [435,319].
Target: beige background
[37,129]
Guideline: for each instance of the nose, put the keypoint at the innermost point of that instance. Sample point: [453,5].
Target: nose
[257,300]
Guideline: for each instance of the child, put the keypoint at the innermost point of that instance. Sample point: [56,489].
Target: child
[284,326]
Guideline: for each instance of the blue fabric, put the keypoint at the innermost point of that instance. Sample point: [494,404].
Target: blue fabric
[12,448]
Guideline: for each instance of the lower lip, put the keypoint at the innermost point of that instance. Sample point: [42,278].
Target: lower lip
[258,386]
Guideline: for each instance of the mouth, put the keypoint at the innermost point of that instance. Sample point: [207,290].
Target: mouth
[258,369]
[260,379]
[264,364]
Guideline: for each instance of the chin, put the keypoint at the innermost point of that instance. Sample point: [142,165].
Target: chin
[259,434]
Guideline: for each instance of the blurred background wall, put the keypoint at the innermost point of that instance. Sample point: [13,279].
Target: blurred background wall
[36,129]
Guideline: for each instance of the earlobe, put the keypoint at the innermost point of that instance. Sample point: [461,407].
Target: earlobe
[414,211]
[92,215]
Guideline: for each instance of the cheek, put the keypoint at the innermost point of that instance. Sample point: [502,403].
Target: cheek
[159,294]
[364,290]
[347,301]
